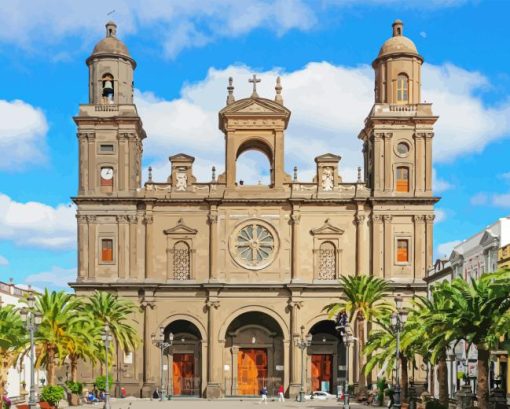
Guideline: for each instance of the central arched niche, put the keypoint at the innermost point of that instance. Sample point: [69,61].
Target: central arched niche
[326,358]
[254,164]
[254,352]
[184,359]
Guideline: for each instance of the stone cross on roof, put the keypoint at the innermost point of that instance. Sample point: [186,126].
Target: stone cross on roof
[254,81]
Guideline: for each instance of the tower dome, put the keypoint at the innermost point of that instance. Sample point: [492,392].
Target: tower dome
[111,46]
[398,43]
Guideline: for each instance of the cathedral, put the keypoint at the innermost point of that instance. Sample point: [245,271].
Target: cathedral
[231,274]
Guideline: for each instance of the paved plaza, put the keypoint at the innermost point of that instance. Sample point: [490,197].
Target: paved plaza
[218,404]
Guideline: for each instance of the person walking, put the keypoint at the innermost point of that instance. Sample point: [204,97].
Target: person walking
[263,395]
[281,397]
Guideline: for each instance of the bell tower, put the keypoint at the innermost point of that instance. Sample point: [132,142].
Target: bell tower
[399,129]
[258,124]
[110,132]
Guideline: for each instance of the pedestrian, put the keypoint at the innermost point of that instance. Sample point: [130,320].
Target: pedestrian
[263,395]
[155,394]
[123,392]
[281,397]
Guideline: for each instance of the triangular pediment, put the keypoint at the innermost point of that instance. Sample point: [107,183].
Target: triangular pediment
[180,228]
[328,157]
[487,238]
[327,228]
[182,157]
[255,106]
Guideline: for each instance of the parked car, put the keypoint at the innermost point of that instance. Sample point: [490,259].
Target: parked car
[320,395]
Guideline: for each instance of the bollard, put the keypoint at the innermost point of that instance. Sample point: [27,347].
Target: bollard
[465,398]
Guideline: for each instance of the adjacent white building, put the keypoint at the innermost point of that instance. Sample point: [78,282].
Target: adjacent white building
[11,294]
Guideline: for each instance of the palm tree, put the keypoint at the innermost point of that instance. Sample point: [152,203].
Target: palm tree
[13,339]
[480,309]
[83,342]
[60,311]
[362,302]
[108,309]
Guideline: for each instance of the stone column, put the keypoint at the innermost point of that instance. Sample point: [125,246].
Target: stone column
[387,162]
[148,386]
[148,220]
[170,372]
[419,161]
[359,219]
[378,164]
[82,247]
[213,244]
[388,246]
[122,246]
[215,361]
[83,184]
[92,185]
[235,357]
[428,162]
[91,221]
[378,245]
[121,171]
[286,363]
[419,246]
[295,218]
[429,249]
[295,352]
[133,222]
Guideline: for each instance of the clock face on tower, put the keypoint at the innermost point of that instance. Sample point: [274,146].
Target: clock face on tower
[106,173]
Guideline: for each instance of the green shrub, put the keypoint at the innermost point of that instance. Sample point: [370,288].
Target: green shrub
[101,382]
[75,387]
[381,386]
[52,394]
[434,404]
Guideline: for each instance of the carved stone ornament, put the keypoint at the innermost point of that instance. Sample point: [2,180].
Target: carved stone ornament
[91,219]
[327,179]
[122,219]
[377,219]
[359,219]
[180,229]
[212,304]
[148,219]
[326,229]
[430,218]
[419,219]
[181,182]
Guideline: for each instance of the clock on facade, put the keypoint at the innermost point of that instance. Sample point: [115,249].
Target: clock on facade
[107,173]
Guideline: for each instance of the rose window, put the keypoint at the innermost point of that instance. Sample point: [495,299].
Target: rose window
[254,246]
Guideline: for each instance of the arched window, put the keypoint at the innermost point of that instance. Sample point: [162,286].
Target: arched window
[253,168]
[327,261]
[107,84]
[402,179]
[402,89]
[182,261]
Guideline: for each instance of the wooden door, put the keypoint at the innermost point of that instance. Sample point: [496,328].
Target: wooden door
[183,374]
[322,372]
[251,371]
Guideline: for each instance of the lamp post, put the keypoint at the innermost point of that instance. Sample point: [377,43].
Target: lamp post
[162,345]
[32,320]
[398,319]
[451,357]
[106,337]
[302,343]
[348,339]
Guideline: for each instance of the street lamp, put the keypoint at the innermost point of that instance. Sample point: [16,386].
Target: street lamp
[398,319]
[303,343]
[451,357]
[32,320]
[106,337]
[162,345]
[348,339]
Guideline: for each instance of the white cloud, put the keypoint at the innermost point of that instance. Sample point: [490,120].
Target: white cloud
[328,104]
[36,224]
[439,185]
[57,278]
[479,199]
[22,135]
[174,25]
[3,261]
[501,200]
[440,215]
[445,249]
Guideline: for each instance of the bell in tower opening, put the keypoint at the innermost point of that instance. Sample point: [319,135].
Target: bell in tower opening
[108,88]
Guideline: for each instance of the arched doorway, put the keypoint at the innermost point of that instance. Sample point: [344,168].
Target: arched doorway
[184,359]
[326,358]
[254,343]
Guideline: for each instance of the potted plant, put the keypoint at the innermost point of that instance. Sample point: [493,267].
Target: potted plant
[51,395]
[76,390]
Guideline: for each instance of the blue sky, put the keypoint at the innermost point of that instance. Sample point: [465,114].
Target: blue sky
[185,52]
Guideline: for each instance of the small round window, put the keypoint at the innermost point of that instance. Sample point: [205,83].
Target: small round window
[403,149]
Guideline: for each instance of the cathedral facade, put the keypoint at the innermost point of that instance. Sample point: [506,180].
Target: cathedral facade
[236,273]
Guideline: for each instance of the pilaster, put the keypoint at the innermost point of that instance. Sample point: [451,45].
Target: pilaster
[388,246]
[429,236]
[214,352]
[378,246]
[420,162]
[295,219]
[361,244]
[82,247]
[428,162]
[295,352]
[148,221]
[92,172]
[378,162]
[123,246]
[133,248]
[419,247]
[213,243]
[387,162]
[91,221]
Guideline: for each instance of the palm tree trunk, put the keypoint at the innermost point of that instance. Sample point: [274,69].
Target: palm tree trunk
[483,381]
[361,342]
[404,378]
[442,379]
[74,368]
[50,365]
